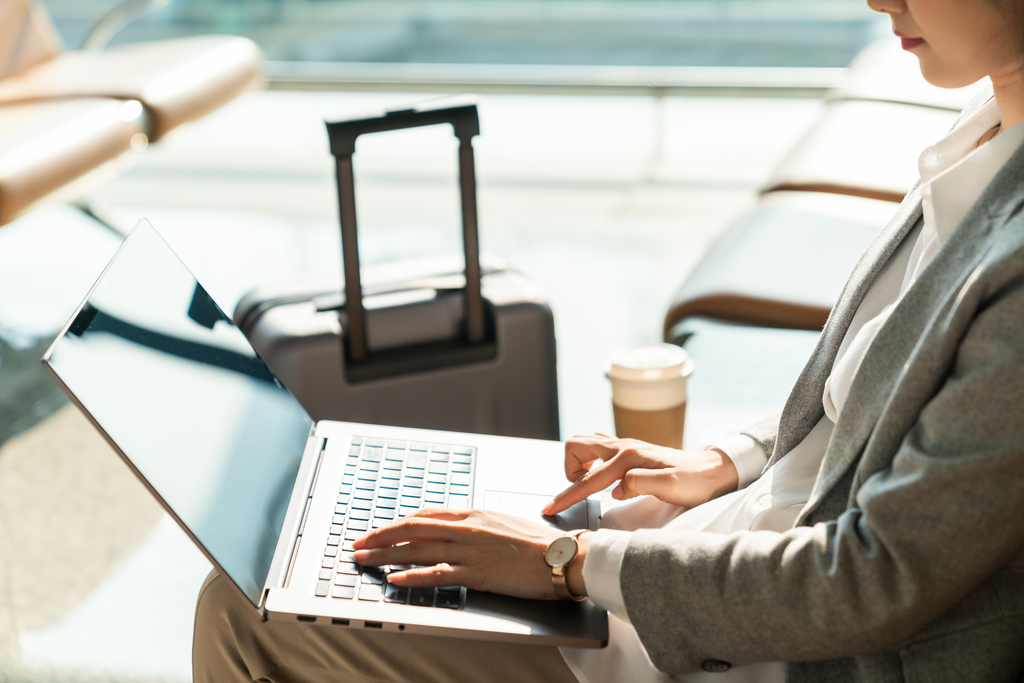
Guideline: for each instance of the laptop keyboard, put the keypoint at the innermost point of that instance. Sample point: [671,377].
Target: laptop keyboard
[385,480]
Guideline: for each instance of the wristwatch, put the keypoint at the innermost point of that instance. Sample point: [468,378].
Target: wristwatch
[559,554]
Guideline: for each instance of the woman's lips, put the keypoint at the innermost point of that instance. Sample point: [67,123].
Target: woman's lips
[907,42]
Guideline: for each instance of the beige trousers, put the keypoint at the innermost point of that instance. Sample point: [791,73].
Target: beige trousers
[232,643]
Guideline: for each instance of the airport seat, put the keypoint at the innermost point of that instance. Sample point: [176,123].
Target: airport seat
[783,264]
[71,119]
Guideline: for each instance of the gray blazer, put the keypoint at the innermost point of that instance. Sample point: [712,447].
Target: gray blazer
[907,564]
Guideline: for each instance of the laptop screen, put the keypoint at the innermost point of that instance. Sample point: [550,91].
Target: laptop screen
[181,392]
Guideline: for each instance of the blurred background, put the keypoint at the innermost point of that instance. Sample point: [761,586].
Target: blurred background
[620,139]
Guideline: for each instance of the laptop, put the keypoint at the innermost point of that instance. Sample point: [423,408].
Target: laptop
[275,500]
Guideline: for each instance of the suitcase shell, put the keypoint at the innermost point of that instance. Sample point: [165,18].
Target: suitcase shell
[297,329]
[456,345]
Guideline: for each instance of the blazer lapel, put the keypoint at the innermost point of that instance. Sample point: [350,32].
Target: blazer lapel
[917,341]
[804,408]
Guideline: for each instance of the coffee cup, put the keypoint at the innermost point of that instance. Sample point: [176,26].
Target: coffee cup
[649,392]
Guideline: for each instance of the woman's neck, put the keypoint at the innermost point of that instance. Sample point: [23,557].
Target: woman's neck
[1009,92]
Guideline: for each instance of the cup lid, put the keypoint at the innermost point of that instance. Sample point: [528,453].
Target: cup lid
[650,363]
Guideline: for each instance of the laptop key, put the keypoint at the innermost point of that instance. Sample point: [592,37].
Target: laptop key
[384,513]
[354,450]
[438,479]
[386,504]
[330,551]
[438,468]
[348,546]
[340,509]
[359,514]
[462,450]
[357,441]
[370,466]
[415,446]
[462,459]
[438,448]
[375,443]
[346,580]
[326,573]
[421,597]
[396,594]
[448,599]
[458,502]
[417,461]
[358,524]
[460,468]
[338,519]
[372,455]
[433,487]
[395,467]
[410,502]
[405,511]
[434,498]
[378,523]
[336,529]
[344,592]
[361,498]
[348,568]
[354,534]
[322,587]
[347,479]
[370,592]
[328,562]
[333,540]
[460,479]
[394,456]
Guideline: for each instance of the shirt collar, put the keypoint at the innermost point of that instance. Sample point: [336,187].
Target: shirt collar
[955,172]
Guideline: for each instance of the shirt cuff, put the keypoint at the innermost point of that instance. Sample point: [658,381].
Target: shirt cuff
[602,567]
[746,454]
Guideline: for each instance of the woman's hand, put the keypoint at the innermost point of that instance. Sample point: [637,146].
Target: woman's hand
[479,549]
[681,478]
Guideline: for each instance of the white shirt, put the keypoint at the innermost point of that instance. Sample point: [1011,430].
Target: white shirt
[954,173]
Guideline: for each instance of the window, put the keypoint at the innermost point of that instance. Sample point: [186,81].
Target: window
[746,33]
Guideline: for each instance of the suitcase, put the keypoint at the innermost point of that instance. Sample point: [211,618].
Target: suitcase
[447,343]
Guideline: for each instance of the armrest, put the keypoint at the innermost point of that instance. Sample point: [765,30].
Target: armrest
[45,146]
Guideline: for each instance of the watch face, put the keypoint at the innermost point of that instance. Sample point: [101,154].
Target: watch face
[561,551]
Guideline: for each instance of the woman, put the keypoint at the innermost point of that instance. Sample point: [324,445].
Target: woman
[891,546]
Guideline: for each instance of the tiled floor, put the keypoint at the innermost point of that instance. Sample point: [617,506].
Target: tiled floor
[605,202]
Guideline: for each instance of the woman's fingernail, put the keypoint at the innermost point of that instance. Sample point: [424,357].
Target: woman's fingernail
[361,555]
[397,578]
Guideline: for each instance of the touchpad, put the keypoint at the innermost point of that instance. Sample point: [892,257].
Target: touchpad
[529,505]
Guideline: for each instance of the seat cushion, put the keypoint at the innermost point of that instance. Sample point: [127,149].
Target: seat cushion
[177,80]
[44,146]
[782,265]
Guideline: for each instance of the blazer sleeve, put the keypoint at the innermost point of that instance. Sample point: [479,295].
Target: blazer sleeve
[764,433]
[922,534]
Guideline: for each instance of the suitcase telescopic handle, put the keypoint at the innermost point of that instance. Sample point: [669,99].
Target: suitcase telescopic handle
[343,134]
